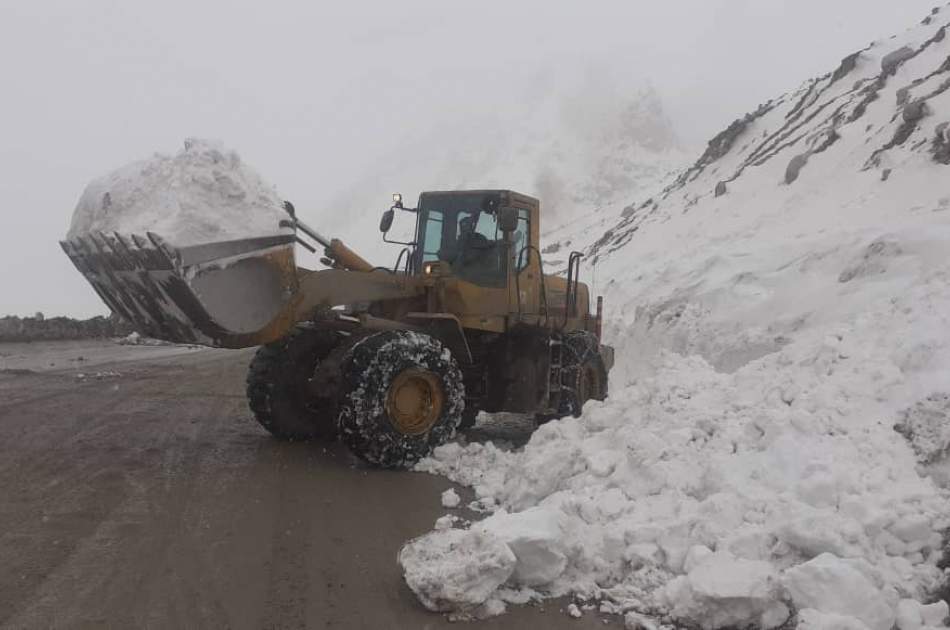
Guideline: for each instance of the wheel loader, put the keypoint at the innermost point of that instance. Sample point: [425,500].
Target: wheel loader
[390,360]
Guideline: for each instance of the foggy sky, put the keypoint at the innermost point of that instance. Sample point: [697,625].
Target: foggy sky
[312,93]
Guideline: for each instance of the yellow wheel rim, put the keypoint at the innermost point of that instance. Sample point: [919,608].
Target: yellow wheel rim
[414,401]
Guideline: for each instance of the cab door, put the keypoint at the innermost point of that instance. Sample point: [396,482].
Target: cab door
[525,298]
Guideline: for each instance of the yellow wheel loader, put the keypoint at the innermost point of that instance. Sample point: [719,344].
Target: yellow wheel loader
[390,360]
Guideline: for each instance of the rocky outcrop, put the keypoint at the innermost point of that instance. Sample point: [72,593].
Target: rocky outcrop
[795,167]
[941,144]
[719,146]
[889,97]
[891,61]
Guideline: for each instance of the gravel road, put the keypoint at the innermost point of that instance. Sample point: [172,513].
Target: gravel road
[143,495]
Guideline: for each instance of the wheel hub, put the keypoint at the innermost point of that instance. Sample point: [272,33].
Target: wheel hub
[414,401]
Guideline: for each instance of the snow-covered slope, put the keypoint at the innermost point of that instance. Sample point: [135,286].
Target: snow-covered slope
[774,448]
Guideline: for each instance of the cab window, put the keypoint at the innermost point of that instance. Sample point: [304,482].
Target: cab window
[521,237]
[458,230]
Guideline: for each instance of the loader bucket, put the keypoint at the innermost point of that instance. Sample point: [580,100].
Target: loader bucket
[229,294]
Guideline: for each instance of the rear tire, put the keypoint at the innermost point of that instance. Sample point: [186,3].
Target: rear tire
[402,395]
[278,386]
[583,373]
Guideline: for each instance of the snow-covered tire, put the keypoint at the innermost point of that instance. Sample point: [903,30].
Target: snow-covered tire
[374,371]
[583,373]
[278,389]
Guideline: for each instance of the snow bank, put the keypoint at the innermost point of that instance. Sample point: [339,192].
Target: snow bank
[135,339]
[746,467]
[204,193]
[788,459]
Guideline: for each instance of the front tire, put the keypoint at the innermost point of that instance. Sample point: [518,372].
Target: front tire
[278,386]
[402,395]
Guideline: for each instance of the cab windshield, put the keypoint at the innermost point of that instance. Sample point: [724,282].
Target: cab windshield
[455,229]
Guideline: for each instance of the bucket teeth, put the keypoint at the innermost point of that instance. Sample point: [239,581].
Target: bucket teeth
[181,295]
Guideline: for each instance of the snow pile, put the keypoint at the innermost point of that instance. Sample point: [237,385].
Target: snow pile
[202,194]
[135,339]
[771,333]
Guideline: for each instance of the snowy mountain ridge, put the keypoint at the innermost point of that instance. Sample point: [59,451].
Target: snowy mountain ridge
[774,450]
[877,110]
[578,147]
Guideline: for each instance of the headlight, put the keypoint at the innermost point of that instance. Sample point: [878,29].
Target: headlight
[436,268]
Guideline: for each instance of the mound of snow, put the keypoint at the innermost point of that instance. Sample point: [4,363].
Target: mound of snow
[456,570]
[770,336]
[204,193]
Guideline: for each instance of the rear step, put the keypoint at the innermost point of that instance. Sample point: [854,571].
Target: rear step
[230,294]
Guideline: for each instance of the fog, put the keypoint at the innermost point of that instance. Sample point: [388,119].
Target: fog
[314,94]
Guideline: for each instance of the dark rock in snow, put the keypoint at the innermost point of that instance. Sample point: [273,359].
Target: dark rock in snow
[885,174]
[830,137]
[903,95]
[847,65]
[872,261]
[893,60]
[795,167]
[915,111]
[721,189]
[941,144]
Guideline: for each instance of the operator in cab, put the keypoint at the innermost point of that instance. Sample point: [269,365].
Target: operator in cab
[476,254]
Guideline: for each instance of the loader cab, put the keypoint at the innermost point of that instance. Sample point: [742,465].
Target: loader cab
[461,232]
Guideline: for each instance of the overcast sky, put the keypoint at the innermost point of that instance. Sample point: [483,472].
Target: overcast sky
[311,93]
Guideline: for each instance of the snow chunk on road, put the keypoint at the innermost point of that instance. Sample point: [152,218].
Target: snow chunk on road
[455,570]
[811,619]
[829,584]
[535,538]
[450,498]
[912,615]
[204,193]
[726,591]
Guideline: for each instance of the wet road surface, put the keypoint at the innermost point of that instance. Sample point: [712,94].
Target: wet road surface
[143,495]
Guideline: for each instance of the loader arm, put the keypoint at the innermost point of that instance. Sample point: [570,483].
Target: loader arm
[339,255]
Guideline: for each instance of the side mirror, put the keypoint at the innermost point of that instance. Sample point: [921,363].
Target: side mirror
[507,219]
[386,221]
